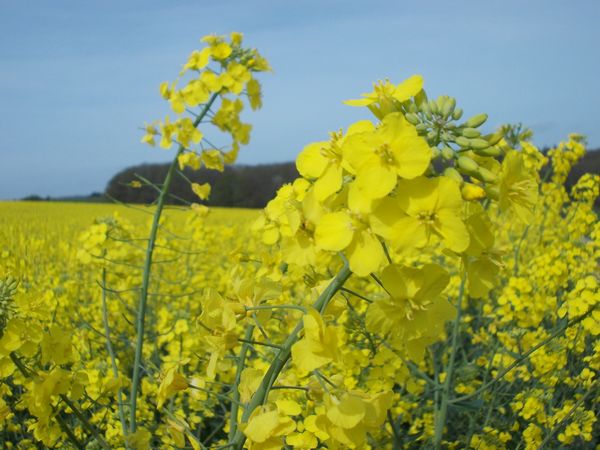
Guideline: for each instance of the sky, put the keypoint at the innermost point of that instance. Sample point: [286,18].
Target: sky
[79,78]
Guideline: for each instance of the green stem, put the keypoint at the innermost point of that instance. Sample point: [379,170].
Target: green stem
[283,355]
[238,376]
[440,421]
[111,352]
[141,313]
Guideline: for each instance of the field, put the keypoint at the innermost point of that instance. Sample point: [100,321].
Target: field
[420,285]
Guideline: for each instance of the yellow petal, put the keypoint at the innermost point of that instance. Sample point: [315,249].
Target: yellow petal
[310,162]
[365,254]
[334,231]
[408,88]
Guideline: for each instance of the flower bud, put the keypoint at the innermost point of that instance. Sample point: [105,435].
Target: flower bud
[479,143]
[470,133]
[476,121]
[471,192]
[467,165]
[457,114]
[447,153]
[451,172]
[463,142]
[412,118]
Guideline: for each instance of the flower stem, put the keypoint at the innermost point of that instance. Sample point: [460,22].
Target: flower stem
[283,355]
[147,268]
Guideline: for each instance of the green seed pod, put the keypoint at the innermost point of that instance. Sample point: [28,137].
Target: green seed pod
[457,114]
[470,133]
[487,175]
[479,143]
[451,172]
[433,106]
[448,107]
[467,165]
[412,118]
[489,151]
[476,121]
[447,153]
[463,142]
[421,128]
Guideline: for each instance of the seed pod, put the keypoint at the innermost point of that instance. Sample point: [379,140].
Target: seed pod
[479,143]
[421,128]
[451,172]
[463,142]
[447,153]
[457,114]
[467,165]
[412,118]
[470,133]
[476,121]
[448,107]
[489,151]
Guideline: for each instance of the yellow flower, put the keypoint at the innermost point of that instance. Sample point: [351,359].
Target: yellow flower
[518,187]
[318,346]
[414,310]
[380,156]
[201,190]
[345,230]
[172,383]
[423,209]
[381,100]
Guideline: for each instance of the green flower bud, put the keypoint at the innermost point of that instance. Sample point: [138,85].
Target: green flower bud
[451,172]
[489,151]
[457,114]
[412,108]
[463,142]
[492,192]
[412,118]
[479,143]
[435,152]
[470,133]
[425,109]
[421,128]
[432,135]
[448,107]
[476,121]
[493,138]
[467,165]
[487,175]
[433,106]
[447,153]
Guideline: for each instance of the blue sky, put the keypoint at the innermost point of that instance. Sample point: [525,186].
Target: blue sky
[78,78]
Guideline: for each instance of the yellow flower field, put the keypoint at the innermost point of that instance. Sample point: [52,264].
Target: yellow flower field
[420,285]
